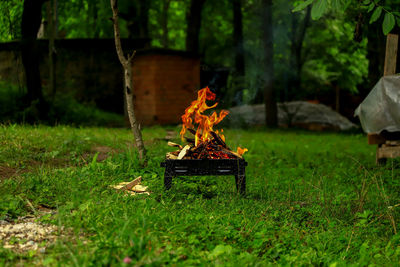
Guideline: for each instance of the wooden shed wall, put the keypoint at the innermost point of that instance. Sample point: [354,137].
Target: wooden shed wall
[165,84]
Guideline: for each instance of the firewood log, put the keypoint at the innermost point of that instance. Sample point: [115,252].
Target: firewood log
[218,139]
[230,152]
[174,145]
[192,131]
[190,140]
[171,156]
[183,152]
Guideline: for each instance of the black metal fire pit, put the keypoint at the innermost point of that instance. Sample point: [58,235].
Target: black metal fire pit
[202,167]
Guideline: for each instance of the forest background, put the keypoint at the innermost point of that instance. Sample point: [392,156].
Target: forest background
[326,51]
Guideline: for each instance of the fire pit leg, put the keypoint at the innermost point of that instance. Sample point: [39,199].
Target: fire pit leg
[167,181]
[168,174]
[241,183]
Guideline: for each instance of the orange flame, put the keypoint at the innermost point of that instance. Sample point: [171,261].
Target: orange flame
[241,151]
[205,123]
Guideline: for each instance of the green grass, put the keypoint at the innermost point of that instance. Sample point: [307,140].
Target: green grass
[313,199]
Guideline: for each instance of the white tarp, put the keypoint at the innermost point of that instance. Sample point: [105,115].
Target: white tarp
[380,110]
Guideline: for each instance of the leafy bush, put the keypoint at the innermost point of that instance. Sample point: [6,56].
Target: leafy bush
[9,105]
[64,109]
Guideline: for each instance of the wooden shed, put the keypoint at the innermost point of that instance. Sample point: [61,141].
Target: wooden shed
[165,82]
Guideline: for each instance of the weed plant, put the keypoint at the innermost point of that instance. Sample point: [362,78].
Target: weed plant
[312,199]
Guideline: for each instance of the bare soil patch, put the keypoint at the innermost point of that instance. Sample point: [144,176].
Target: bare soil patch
[7,172]
[103,153]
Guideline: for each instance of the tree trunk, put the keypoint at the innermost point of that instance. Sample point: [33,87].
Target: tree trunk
[137,18]
[164,23]
[238,37]
[271,112]
[30,24]
[126,63]
[337,96]
[52,18]
[92,20]
[239,51]
[128,81]
[144,18]
[296,60]
[193,19]
[375,55]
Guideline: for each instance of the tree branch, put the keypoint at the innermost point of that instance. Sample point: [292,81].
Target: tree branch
[117,37]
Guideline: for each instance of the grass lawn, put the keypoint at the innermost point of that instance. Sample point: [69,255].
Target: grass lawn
[312,198]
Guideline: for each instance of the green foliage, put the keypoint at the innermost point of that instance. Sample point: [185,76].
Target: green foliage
[176,23]
[86,19]
[388,23]
[66,110]
[301,5]
[63,109]
[327,64]
[10,19]
[330,55]
[216,35]
[319,8]
[9,104]
[389,8]
[376,14]
[313,199]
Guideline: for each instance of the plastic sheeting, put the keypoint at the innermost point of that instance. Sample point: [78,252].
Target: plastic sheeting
[380,110]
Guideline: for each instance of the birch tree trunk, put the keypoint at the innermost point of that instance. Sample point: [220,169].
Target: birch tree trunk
[126,63]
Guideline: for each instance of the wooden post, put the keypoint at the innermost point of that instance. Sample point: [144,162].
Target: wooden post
[392,42]
[383,152]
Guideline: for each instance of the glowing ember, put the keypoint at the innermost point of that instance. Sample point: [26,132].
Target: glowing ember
[205,133]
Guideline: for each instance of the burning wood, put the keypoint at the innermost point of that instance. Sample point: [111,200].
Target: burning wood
[207,143]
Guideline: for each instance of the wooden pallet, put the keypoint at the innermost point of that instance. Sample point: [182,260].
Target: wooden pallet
[387,148]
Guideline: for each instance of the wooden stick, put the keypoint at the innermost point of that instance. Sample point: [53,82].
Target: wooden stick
[191,131]
[190,140]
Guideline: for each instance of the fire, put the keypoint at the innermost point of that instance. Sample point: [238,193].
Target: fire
[241,151]
[194,115]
